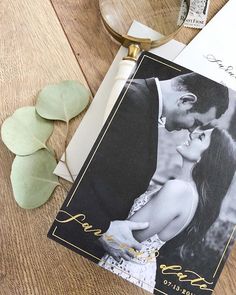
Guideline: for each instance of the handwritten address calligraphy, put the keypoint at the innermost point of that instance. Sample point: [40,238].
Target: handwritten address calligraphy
[229,69]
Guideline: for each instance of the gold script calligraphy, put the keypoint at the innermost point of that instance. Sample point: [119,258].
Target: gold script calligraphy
[186,276]
[88,228]
[80,219]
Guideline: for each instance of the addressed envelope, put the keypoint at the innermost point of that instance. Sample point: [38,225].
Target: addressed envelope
[212,51]
[85,136]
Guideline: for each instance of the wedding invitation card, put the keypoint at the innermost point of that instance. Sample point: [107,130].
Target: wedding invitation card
[154,200]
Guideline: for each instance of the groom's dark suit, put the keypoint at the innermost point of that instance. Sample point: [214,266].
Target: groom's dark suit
[123,165]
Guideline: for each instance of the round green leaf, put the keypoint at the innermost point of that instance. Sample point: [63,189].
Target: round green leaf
[62,101]
[25,132]
[32,179]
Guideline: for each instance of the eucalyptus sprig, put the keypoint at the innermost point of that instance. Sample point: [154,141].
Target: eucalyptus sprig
[26,133]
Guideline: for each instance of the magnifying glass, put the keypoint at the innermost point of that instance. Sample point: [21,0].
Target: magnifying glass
[164,17]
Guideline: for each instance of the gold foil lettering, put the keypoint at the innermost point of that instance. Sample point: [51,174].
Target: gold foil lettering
[79,218]
[198,281]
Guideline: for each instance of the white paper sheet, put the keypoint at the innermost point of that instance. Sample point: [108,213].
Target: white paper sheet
[212,52]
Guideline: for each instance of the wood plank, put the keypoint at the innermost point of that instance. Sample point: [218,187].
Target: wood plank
[93,47]
[34,52]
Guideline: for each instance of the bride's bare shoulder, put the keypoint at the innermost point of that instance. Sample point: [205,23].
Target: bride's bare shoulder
[177,184]
[177,189]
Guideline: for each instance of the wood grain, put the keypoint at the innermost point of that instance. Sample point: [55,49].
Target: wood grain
[34,51]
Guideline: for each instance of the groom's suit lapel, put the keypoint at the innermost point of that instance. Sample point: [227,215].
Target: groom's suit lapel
[151,84]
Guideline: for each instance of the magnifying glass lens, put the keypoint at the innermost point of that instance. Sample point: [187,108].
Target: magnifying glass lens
[163,16]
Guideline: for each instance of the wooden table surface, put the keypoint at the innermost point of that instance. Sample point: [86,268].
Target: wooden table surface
[44,42]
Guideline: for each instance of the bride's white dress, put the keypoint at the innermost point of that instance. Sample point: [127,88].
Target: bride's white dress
[141,270]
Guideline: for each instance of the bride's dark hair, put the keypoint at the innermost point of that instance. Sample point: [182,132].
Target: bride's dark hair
[212,175]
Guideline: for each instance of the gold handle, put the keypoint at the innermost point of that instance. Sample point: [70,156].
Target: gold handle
[133,51]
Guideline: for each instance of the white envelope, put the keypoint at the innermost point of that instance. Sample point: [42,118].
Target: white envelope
[85,136]
[212,52]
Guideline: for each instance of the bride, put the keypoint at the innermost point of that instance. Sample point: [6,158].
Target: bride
[191,203]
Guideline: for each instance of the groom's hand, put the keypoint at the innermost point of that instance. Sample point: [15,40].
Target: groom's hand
[119,242]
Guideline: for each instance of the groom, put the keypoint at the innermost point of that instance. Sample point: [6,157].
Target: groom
[184,102]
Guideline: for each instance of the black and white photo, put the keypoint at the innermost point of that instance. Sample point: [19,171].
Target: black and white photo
[155,198]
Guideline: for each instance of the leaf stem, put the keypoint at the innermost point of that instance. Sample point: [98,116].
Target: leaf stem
[64,187]
[65,146]
[48,149]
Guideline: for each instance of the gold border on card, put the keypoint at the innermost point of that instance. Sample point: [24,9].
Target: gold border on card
[226,248]
[73,244]
[92,156]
